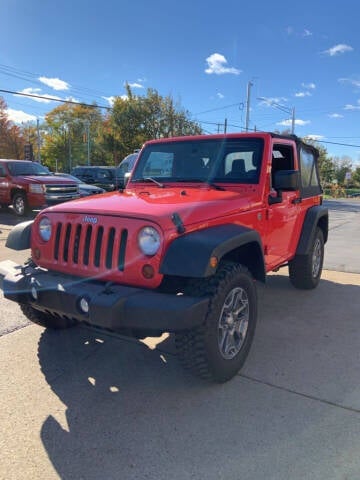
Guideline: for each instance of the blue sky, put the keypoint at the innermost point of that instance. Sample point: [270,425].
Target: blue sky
[302,56]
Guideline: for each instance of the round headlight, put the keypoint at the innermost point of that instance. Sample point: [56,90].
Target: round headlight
[45,229]
[149,240]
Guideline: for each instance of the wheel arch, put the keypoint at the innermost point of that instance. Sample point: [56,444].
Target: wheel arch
[20,236]
[190,254]
[16,190]
[316,216]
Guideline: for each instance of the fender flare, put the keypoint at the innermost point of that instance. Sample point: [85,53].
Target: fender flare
[315,216]
[19,236]
[189,255]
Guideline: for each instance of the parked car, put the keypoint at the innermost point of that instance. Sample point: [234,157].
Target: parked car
[101,176]
[27,185]
[125,167]
[84,188]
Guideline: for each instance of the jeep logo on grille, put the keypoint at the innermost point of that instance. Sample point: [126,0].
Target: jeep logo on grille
[92,220]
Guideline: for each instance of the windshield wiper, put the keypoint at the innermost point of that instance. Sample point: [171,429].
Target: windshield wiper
[148,179]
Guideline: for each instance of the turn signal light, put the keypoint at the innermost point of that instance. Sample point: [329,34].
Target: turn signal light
[148,271]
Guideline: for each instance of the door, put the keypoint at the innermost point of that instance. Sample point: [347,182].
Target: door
[282,211]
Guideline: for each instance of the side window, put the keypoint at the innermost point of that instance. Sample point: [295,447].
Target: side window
[103,175]
[282,158]
[309,174]
[2,171]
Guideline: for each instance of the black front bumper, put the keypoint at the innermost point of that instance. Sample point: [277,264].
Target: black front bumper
[111,306]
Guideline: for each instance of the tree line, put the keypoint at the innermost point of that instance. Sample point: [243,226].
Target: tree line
[77,134]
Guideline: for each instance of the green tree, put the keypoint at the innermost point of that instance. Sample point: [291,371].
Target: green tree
[72,137]
[136,119]
[342,166]
[11,139]
[356,176]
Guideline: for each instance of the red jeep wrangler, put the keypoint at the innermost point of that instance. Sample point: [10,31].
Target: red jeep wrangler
[26,185]
[180,248]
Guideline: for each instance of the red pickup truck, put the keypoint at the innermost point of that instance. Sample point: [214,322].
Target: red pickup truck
[26,185]
[201,221]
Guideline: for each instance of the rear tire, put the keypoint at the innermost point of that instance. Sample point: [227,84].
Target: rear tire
[305,270]
[46,320]
[218,349]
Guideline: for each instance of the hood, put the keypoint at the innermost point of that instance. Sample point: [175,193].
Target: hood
[158,205]
[46,179]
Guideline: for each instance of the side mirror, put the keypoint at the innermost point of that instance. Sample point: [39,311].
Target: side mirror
[285,180]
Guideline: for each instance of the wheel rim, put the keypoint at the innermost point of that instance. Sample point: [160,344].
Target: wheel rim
[19,205]
[316,258]
[233,323]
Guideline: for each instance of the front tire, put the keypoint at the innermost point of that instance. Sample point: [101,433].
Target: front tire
[218,349]
[20,204]
[305,270]
[46,320]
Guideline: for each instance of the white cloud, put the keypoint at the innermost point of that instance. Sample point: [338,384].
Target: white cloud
[110,100]
[18,116]
[220,95]
[289,30]
[352,107]
[303,94]
[54,83]
[288,122]
[136,85]
[307,33]
[271,101]
[335,115]
[353,81]
[314,137]
[41,97]
[338,49]
[309,86]
[72,99]
[217,65]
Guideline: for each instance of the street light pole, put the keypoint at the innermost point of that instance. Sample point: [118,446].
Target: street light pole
[249,85]
[87,124]
[287,110]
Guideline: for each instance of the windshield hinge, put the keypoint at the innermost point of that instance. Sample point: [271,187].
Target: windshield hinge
[175,217]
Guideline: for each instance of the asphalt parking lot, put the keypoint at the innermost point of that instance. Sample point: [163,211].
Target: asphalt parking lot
[81,404]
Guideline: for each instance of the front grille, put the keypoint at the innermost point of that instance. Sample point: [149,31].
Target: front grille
[59,189]
[91,246]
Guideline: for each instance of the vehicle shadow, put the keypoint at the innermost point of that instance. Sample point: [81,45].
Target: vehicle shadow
[132,412]
[8,217]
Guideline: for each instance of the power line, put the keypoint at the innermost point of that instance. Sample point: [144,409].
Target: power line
[336,143]
[34,78]
[54,99]
[220,108]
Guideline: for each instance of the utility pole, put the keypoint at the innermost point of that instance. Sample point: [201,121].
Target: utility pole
[293,120]
[225,125]
[38,140]
[249,85]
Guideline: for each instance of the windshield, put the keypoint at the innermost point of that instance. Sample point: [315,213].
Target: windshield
[216,160]
[27,168]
